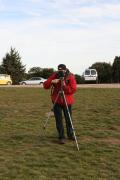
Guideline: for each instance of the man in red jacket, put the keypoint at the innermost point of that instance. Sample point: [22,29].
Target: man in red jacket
[64,79]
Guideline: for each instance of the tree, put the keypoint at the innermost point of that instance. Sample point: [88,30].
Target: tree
[116,69]
[35,70]
[2,71]
[79,79]
[12,65]
[104,71]
[47,72]
[42,72]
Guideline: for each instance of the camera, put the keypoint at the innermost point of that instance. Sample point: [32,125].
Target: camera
[61,74]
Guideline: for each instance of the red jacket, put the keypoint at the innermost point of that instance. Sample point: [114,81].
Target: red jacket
[69,89]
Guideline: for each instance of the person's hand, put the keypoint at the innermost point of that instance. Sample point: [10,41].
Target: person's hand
[55,81]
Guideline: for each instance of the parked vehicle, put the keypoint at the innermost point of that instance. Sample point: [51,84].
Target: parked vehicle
[5,79]
[90,75]
[33,81]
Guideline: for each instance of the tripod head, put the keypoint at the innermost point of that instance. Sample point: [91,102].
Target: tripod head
[62,82]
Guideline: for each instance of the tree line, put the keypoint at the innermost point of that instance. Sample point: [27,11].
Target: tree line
[12,65]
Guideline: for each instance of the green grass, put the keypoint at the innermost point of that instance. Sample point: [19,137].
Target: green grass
[29,152]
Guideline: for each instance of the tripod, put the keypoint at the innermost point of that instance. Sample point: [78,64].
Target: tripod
[61,93]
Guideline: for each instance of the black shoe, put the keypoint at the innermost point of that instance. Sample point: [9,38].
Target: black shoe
[62,141]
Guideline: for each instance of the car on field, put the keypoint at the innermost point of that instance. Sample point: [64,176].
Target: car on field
[90,75]
[33,81]
[5,79]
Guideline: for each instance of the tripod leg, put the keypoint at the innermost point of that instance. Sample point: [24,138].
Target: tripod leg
[46,122]
[70,121]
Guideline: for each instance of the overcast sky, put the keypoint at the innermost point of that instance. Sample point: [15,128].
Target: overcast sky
[46,33]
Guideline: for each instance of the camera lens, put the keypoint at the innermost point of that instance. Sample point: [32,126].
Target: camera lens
[60,74]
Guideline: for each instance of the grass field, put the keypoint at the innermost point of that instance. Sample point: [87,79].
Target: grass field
[29,152]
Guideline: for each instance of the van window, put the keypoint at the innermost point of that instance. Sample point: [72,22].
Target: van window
[87,72]
[93,72]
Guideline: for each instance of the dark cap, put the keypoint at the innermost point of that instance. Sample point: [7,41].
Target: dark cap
[61,67]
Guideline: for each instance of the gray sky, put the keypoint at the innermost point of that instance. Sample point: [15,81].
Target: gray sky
[46,33]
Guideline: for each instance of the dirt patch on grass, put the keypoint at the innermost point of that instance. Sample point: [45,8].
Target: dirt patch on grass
[87,139]
[110,141]
[112,128]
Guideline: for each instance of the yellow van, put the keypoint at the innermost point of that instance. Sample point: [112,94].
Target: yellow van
[5,79]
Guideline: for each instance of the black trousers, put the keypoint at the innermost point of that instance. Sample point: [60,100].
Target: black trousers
[58,109]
